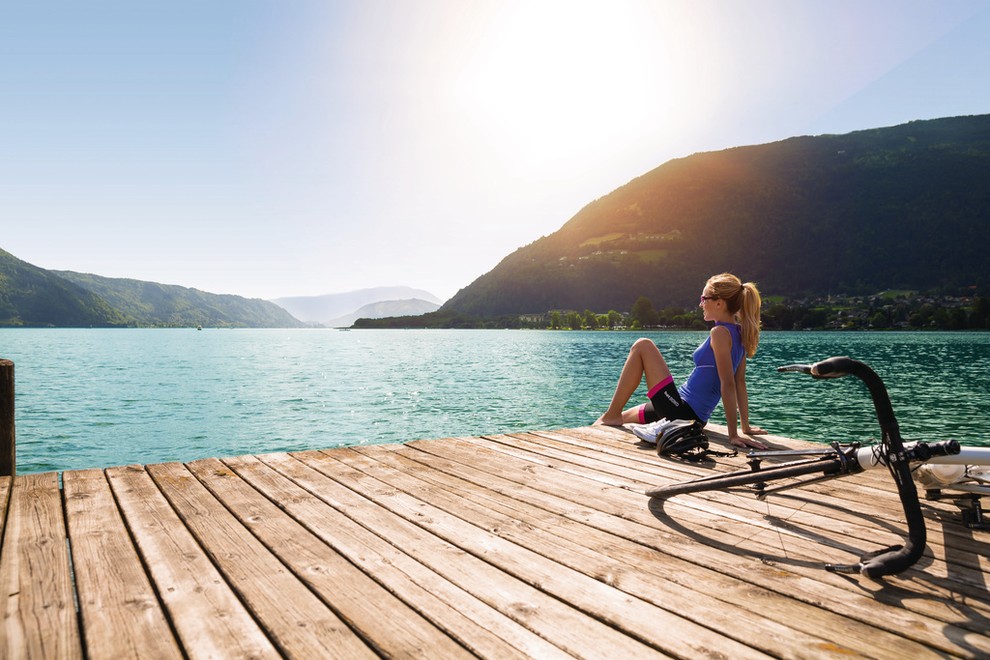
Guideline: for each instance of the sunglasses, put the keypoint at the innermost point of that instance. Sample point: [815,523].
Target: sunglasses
[704,298]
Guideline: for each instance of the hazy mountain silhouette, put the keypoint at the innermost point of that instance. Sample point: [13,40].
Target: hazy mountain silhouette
[328,308]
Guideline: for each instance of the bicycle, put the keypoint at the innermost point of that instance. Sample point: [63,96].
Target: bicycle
[948,471]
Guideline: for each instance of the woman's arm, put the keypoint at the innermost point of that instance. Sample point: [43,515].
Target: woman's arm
[735,400]
[721,342]
[742,400]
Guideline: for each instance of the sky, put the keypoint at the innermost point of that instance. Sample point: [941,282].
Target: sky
[273,148]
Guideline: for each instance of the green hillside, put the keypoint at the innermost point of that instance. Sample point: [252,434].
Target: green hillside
[31,296]
[163,305]
[906,207]
[35,297]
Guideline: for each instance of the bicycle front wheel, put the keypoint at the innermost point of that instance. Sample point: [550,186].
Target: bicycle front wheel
[829,466]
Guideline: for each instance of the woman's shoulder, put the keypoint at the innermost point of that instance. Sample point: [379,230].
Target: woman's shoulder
[724,328]
[729,329]
[725,336]
[720,333]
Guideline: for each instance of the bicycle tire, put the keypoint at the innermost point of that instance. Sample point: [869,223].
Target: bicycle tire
[747,477]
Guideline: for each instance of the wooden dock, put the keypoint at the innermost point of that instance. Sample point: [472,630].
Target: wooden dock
[536,544]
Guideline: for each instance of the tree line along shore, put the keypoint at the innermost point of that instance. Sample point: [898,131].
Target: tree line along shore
[891,310]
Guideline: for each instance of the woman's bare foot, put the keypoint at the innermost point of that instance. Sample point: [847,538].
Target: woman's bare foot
[608,421]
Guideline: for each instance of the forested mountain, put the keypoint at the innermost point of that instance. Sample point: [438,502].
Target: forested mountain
[35,297]
[152,304]
[32,296]
[906,207]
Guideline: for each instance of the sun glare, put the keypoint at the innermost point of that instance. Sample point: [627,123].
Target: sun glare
[551,82]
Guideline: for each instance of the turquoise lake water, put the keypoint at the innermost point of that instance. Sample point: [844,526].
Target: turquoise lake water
[95,398]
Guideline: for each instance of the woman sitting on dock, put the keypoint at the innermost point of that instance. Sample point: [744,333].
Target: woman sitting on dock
[719,372]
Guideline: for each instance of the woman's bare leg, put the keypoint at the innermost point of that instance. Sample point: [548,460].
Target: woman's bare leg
[644,359]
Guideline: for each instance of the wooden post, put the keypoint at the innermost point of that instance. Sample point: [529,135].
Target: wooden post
[8,450]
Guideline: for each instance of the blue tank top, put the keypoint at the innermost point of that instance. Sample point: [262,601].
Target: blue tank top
[703,388]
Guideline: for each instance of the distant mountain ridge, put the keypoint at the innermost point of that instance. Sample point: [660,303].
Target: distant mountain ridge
[905,207]
[329,308]
[384,309]
[33,296]
[169,305]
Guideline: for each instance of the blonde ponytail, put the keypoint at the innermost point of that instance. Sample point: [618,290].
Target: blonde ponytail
[748,317]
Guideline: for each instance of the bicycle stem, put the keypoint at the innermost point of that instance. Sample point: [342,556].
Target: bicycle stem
[896,558]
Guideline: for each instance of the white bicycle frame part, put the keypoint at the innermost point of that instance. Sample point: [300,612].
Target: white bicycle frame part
[966,456]
[867,457]
[964,479]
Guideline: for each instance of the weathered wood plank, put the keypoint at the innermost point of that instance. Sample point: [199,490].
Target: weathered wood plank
[354,597]
[601,556]
[830,524]
[727,518]
[477,626]
[294,618]
[955,566]
[796,568]
[833,528]
[637,618]
[558,622]
[535,544]
[844,497]
[693,590]
[121,615]
[674,563]
[209,620]
[39,615]
[807,509]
